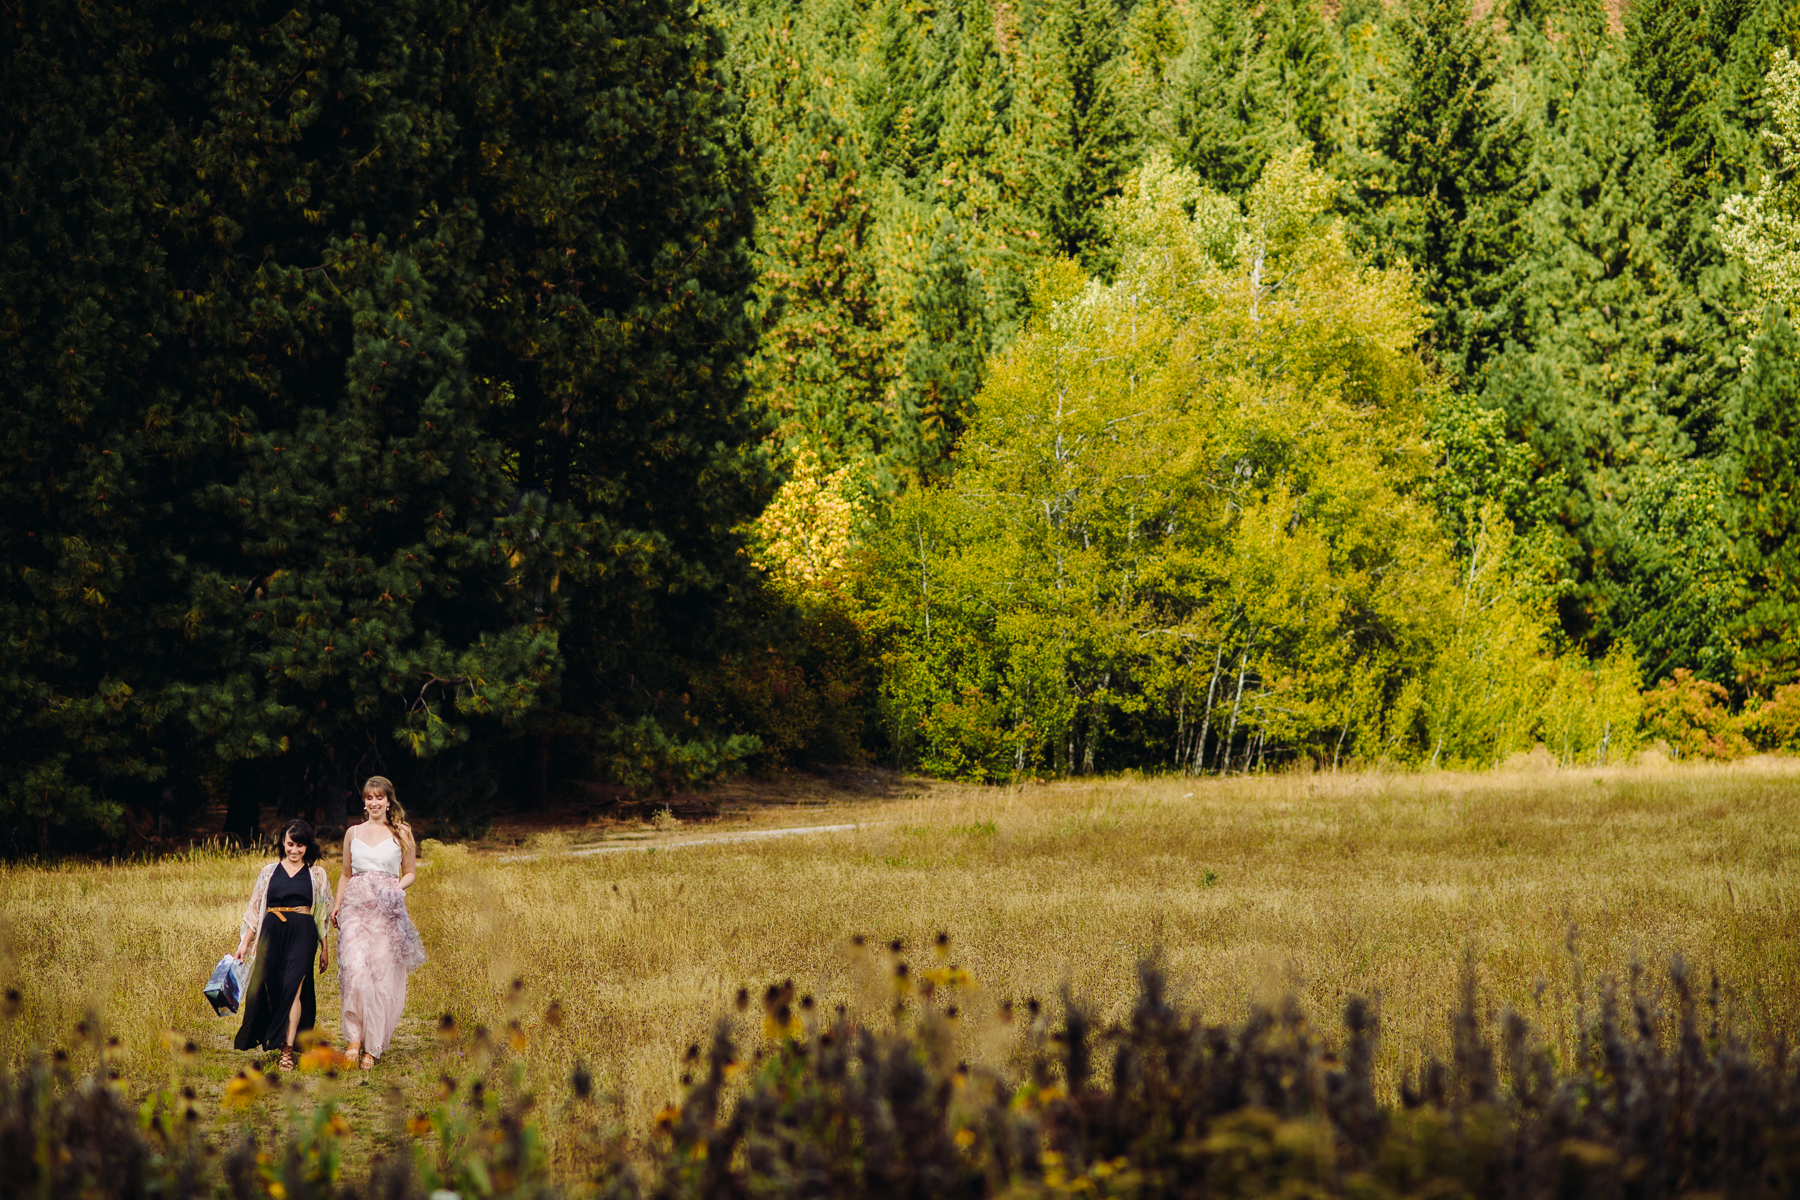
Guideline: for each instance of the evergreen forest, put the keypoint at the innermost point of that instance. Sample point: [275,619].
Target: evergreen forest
[499,396]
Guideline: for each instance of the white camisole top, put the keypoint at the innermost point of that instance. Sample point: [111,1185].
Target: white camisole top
[380,859]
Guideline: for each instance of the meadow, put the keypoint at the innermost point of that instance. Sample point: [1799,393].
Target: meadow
[1321,887]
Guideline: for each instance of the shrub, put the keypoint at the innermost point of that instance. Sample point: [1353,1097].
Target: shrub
[1774,723]
[1648,1107]
[1693,716]
[1258,1109]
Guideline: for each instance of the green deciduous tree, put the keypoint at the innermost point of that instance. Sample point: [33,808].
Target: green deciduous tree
[1762,229]
[1184,525]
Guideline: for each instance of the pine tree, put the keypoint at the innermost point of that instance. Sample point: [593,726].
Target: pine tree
[945,358]
[1217,99]
[1444,187]
[1086,143]
[826,363]
[1256,81]
[328,358]
[982,171]
[1763,495]
[904,67]
[1675,55]
[1585,379]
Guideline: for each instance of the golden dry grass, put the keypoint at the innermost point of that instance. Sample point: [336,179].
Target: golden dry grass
[1319,885]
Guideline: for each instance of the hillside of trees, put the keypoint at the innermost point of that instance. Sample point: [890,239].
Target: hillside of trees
[495,396]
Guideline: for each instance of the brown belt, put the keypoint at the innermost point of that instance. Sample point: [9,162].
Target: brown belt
[281,913]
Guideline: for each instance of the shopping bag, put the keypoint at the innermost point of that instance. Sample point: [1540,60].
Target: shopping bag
[226,987]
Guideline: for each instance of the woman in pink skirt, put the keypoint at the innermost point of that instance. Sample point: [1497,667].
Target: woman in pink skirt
[377,943]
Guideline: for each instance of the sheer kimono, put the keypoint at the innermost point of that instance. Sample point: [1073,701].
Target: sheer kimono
[281,967]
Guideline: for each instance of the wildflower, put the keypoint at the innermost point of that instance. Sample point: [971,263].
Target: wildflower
[446,1027]
[245,1086]
[323,1057]
[964,1138]
[780,1025]
[515,1035]
[419,1125]
[553,1015]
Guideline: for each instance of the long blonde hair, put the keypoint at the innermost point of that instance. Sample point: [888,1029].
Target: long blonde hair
[396,816]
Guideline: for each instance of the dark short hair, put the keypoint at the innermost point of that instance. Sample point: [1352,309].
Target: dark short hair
[303,835]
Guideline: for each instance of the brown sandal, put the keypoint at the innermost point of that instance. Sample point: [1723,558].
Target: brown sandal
[368,1061]
[286,1061]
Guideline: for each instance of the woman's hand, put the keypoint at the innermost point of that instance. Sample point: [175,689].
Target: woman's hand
[324,959]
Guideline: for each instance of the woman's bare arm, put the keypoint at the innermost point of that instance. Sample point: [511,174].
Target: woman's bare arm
[409,858]
[337,901]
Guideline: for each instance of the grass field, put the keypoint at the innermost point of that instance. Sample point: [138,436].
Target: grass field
[1315,885]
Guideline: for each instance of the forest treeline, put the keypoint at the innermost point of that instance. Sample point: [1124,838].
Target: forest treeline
[1251,382]
[492,396]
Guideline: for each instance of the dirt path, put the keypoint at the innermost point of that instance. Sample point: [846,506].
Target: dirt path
[652,842]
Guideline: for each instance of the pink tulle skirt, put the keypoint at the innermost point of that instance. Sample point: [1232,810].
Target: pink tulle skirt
[378,947]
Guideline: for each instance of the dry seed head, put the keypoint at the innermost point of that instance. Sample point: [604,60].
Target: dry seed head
[553,1015]
[941,943]
[743,999]
[582,1082]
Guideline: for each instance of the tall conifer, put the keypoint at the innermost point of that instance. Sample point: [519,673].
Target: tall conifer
[1763,491]
[825,364]
[334,332]
[1592,311]
[945,358]
[1444,188]
[1086,144]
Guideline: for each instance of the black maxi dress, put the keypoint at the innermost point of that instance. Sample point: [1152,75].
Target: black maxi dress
[284,965]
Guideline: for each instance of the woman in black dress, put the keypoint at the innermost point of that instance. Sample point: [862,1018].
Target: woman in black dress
[287,915]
